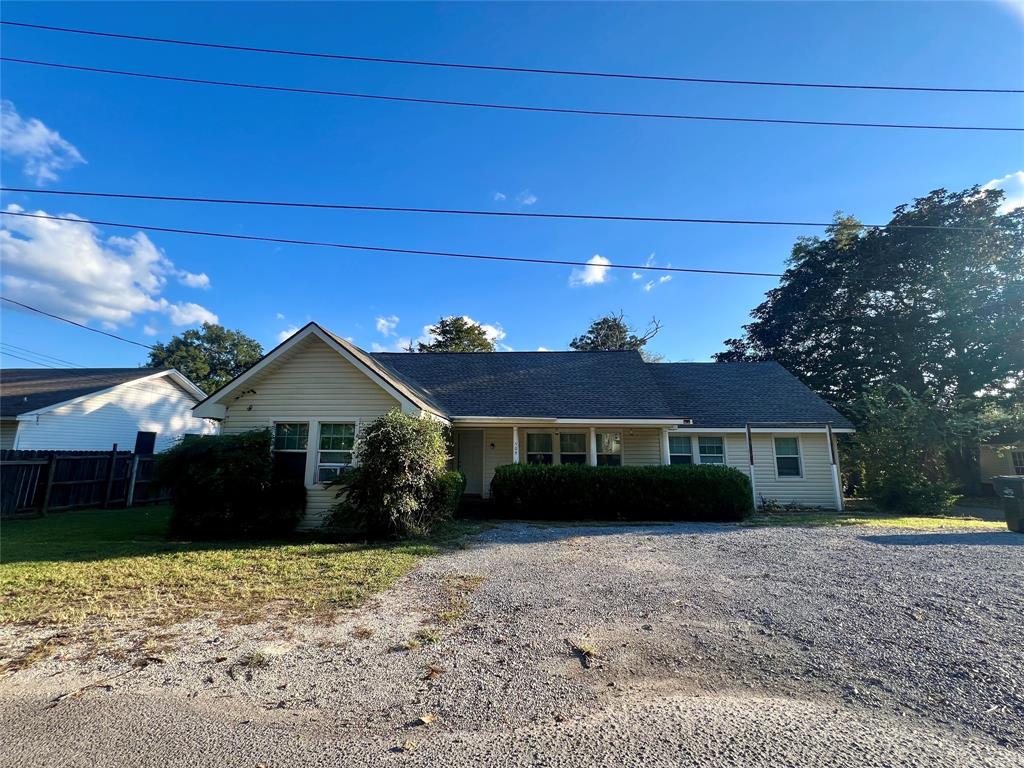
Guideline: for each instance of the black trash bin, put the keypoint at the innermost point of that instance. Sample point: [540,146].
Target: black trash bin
[1010,488]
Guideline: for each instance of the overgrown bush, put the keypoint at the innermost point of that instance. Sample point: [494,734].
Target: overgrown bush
[225,487]
[399,485]
[572,491]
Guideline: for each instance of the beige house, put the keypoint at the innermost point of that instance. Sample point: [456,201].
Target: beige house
[598,408]
[1002,456]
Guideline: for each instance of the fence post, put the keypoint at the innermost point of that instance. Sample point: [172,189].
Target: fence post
[130,496]
[110,476]
[51,472]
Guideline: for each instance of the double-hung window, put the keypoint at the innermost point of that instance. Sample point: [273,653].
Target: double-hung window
[787,457]
[291,439]
[1018,462]
[539,448]
[572,448]
[609,449]
[680,449]
[337,441]
[712,450]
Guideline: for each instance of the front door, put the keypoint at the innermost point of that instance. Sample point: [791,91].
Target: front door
[471,459]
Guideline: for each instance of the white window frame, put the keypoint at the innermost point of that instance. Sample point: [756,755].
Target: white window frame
[697,459]
[585,453]
[620,454]
[693,459]
[273,443]
[553,452]
[318,464]
[799,457]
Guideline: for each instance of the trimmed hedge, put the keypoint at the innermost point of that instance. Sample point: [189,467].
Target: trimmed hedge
[225,487]
[577,492]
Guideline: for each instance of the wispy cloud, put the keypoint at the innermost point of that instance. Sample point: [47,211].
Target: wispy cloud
[499,196]
[193,280]
[493,331]
[68,268]
[595,273]
[150,330]
[387,325]
[287,333]
[526,197]
[280,316]
[1016,7]
[1012,185]
[42,151]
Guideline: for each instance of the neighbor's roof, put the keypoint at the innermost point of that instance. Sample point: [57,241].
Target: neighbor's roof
[29,389]
[610,385]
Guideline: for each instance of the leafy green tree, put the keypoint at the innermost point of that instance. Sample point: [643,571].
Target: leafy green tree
[932,302]
[210,357]
[456,334]
[612,333]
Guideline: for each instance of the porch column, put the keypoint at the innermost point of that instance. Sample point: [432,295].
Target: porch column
[515,445]
[666,454]
[837,485]
[592,448]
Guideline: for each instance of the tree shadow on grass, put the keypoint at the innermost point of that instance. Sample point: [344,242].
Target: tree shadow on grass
[960,538]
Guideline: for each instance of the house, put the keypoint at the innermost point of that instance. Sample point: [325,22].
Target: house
[607,408]
[90,409]
[1001,455]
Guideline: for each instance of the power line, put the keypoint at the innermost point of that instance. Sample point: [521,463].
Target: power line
[383,249]
[497,68]
[34,362]
[26,350]
[470,212]
[505,107]
[65,319]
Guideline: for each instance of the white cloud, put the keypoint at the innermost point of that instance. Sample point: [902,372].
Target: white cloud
[287,333]
[149,330]
[67,268]
[526,197]
[194,280]
[280,316]
[664,278]
[1016,7]
[648,286]
[636,276]
[499,196]
[387,325]
[494,333]
[596,272]
[42,150]
[1012,185]
[543,349]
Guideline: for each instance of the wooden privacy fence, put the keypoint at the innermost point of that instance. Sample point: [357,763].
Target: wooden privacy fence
[37,482]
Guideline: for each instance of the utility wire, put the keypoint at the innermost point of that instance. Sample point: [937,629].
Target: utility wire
[505,107]
[470,212]
[383,249]
[34,362]
[497,68]
[65,319]
[51,358]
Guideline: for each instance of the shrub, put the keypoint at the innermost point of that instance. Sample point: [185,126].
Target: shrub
[571,491]
[224,486]
[399,485]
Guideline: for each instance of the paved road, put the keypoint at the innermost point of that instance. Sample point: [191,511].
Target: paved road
[711,646]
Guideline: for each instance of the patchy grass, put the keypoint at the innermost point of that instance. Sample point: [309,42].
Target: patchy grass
[117,565]
[812,519]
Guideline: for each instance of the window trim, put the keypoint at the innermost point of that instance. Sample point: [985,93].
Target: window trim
[273,449]
[1018,469]
[693,459]
[725,451]
[553,452]
[585,453]
[318,464]
[621,452]
[799,456]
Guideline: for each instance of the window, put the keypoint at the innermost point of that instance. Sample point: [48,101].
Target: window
[712,451]
[145,443]
[290,442]
[680,449]
[572,448]
[335,453]
[609,449]
[539,448]
[1018,462]
[787,456]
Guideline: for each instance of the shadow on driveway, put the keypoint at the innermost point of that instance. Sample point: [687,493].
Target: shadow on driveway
[975,539]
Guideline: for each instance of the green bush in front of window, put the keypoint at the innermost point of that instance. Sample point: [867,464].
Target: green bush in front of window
[399,484]
[227,487]
[573,492]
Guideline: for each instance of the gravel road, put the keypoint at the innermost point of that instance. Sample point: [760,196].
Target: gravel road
[678,645]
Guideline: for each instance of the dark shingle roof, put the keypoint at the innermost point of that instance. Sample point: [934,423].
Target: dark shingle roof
[608,385]
[733,394]
[567,385]
[27,389]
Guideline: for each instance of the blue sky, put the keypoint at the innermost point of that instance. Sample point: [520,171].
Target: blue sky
[126,135]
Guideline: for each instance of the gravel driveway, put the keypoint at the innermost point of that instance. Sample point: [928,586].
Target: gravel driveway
[554,646]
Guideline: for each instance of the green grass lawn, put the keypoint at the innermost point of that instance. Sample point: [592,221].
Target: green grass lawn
[877,519]
[117,564]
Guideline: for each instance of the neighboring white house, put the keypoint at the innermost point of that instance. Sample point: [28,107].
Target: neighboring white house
[599,408]
[91,409]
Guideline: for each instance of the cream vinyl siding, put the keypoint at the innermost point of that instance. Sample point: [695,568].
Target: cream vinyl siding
[310,383]
[501,453]
[95,423]
[8,429]
[996,460]
[640,447]
[814,488]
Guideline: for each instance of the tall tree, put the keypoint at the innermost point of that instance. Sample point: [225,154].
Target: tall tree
[456,334]
[612,333]
[933,302]
[210,357]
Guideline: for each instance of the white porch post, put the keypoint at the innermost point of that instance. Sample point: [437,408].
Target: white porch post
[750,464]
[592,448]
[666,454]
[515,445]
[837,485]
